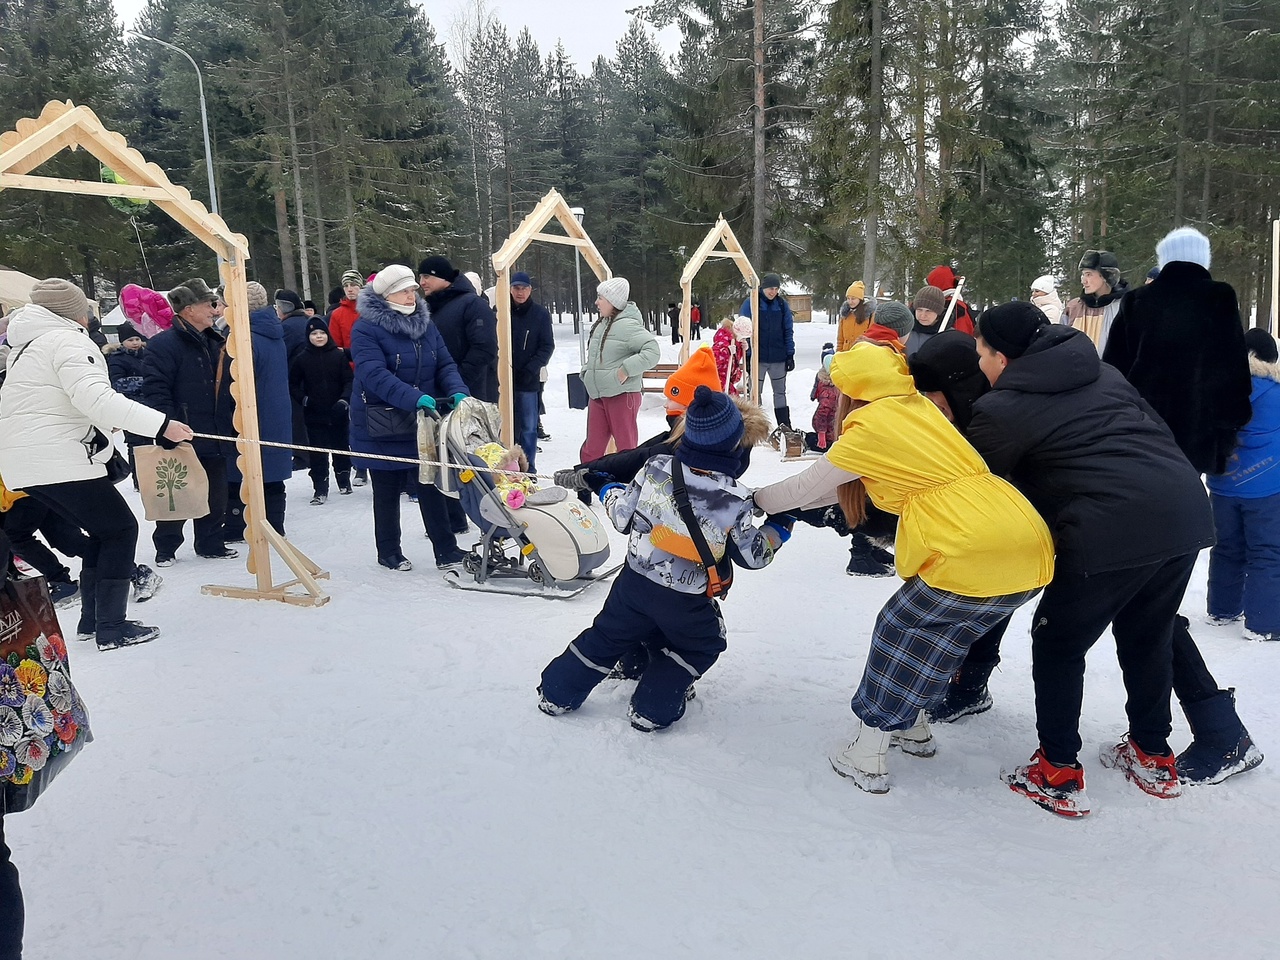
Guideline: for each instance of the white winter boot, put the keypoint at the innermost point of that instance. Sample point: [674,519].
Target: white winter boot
[918,741]
[863,760]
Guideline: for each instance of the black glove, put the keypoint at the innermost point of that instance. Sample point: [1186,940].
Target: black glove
[572,479]
[341,408]
[791,363]
[596,481]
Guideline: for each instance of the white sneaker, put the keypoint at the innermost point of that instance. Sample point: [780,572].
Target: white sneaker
[918,741]
[145,583]
[863,760]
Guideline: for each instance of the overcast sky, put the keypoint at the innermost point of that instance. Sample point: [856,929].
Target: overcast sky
[587,28]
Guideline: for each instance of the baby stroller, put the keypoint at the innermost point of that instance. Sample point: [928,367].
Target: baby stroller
[548,546]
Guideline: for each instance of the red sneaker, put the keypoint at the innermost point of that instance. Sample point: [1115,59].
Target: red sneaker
[1155,775]
[1058,789]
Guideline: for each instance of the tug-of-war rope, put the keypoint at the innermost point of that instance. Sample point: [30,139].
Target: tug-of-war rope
[414,461]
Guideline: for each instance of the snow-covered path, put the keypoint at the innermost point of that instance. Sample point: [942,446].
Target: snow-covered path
[372,780]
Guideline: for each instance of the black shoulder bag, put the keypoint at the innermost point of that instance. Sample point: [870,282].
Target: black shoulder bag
[719,573]
[385,422]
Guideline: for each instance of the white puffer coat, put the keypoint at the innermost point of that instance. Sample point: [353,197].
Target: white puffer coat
[55,393]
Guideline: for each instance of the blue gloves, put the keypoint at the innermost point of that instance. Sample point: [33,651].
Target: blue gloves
[426,403]
[604,491]
[780,524]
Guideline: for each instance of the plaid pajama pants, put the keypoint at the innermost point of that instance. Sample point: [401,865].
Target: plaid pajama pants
[919,641]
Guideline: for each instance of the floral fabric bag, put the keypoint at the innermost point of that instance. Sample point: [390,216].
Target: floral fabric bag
[43,721]
[173,484]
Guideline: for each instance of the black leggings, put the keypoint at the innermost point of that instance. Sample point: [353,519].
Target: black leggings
[96,507]
[24,518]
[387,487]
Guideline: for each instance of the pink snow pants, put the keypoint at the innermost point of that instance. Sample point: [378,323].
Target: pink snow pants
[611,417]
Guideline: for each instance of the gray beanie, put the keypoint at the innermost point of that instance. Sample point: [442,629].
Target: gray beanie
[257,295]
[61,297]
[931,298]
[895,316]
[617,290]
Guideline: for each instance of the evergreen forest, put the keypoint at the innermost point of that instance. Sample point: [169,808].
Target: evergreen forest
[843,139]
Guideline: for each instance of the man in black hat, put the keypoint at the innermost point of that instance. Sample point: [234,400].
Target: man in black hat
[466,322]
[532,343]
[184,377]
[293,317]
[1101,290]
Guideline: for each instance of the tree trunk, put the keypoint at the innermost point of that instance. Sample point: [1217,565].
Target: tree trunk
[758,143]
[297,190]
[871,228]
[351,216]
[287,275]
[321,241]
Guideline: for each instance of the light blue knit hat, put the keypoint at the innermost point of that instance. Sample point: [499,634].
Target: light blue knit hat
[1187,244]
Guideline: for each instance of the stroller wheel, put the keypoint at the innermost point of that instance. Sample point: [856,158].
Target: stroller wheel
[535,572]
[471,563]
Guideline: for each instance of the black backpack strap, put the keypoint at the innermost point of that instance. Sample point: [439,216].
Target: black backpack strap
[717,586]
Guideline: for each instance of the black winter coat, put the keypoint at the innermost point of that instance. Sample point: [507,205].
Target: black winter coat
[295,332]
[532,343]
[1179,340]
[1092,457]
[126,368]
[319,377]
[181,379]
[470,332]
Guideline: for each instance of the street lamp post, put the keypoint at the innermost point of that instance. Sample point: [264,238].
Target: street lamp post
[204,118]
[580,327]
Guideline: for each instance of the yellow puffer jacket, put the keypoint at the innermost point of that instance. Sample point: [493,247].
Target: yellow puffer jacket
[961,528]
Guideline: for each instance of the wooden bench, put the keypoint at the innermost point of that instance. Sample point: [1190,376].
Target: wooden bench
[653,380]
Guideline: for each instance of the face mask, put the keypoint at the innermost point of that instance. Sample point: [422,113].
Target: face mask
[405,308]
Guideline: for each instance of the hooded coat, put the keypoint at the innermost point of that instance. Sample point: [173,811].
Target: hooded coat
[1253,469]
[961,528]
[620,342]
[1091,454]
[57,395]
[318,378]
[271,384]
[470,332]
[1180,342]
[399,359]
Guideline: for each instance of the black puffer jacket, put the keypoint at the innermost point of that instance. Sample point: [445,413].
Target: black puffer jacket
[183,377]
[318,378]
[1092,457]
[532,343]
[470,332]
[1179,340]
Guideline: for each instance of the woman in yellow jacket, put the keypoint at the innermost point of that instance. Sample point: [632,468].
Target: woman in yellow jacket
[855,316]
[970,548]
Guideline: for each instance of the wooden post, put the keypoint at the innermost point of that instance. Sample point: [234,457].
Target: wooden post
[506,388]
[686,317]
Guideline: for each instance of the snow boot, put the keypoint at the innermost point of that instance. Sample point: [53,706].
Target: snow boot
[145,583]
[1150,773]
[917,741]
[1058,789]
[63,592]
[863,760]
[1215,620]
[967,695]
[114,630]
[783,416]
[1220,745]
[1255,635]
[88,624]
[549,708]
[868,560]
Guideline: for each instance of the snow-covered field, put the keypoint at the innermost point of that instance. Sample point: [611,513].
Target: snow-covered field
[371,779]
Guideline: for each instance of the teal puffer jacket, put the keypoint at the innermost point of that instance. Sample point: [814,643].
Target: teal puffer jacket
[621,342]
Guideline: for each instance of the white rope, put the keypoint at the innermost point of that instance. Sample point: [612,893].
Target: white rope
[418,461]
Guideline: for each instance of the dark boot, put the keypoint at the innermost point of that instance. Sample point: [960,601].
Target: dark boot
[113,629]
[866,559]
[1220,746]
[967,695]
[783,416]
[88,624]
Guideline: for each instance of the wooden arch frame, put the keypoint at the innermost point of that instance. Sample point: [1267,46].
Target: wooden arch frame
[722,235]
[65,126]
[551,207]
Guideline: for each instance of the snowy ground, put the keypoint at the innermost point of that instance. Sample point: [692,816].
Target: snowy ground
[371,779]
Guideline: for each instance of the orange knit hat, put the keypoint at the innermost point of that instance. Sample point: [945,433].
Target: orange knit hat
[698,370]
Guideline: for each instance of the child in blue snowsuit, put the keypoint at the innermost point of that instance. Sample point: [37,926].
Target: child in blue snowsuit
[660,600]
[1244,565]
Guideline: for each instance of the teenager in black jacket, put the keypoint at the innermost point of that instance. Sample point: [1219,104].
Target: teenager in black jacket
[1128,514]
[320,380]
